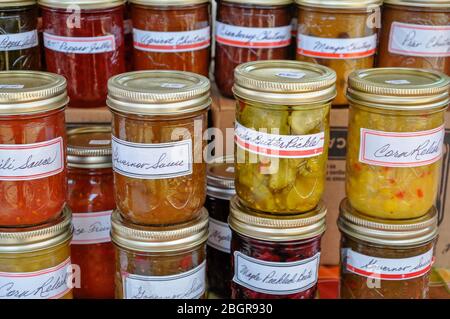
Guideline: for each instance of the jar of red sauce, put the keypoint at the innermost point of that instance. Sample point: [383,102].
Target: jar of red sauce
[275,258]
[91,199]
[84,42]
[32,147]
[250,30]
[171,35]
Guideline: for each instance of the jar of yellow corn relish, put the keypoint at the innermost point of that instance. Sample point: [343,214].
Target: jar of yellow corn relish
[395,140]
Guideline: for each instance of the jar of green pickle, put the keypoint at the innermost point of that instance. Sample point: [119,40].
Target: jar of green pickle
[282,134]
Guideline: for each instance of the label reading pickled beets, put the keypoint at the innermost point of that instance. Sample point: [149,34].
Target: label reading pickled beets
[172,41]
[18,41]
[187,285]
[336,48]
[419,40]
[274,145]
[219,235]
[91,228]
[277,278]
[399,149]
[80,45]
[152,161]
[51,283]
[387,268]
[245,37]
[31,161]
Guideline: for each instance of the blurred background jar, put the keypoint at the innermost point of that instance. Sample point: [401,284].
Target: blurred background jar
[90,196]
[339,34]
[84,42]
[19,43]
[250,30]
[172,35]
[416,34]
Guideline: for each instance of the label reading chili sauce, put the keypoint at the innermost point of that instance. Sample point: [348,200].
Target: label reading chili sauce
[31,161]
[219,235]
[80,45]
[401,149]
[91,228]
[278,278]
[18,41]
[187,285]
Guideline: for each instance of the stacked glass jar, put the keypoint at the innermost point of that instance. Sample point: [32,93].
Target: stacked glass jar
[35,225]
[281,147]
[394,154]
[160,227]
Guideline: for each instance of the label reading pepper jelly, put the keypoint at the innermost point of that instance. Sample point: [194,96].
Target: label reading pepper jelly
[18,41]
[80,45]
[219,235]
[91,228]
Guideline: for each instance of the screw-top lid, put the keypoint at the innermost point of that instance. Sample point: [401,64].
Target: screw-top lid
[250,223]
[16,3]
[29,92]
[408,232]
[158,92]
[31,239]
[220,178]
[284,82]
[159,239]
[83,4]
[438,4]
[89,147]
[405,89]
[340,4]
[169,2]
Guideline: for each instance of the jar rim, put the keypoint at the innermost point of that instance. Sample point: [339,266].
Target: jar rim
[82,4]
[17,3]
[341,4]
[262,2]
[438,4]
[169,3]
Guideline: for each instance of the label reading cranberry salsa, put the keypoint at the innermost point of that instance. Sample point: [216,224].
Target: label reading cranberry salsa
[388,268]
[187,285]
[245,37]
[50,283]
[80,45]
[91,228]
[276,278]
[401,149]
[419,40]
[219,235]
[18,41]
[275,145]
[19,162]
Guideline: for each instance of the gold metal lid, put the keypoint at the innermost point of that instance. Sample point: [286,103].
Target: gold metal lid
[396,89]
[31,239]
[89,147]
[16,3]
[250,223]
[408,232]
[83,4]
[158,92]
[438,4]
[340,4]
[262,2]
[284,82]
[159,239]
[220,178]
[168,2]
[29,92]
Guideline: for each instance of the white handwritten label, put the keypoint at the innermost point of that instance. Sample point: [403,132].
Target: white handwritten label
[172,41]
[12,86]
[219,235]
[291,75]
[19,41]
[91,228]
[187,285]
[19,162]
[419,40]
[388,268]
[80,45]
[152,161]
[278,278]
[99,142]
[400,149]
[397,82]
[336,48]
[172,85]
[50,283]
[245,37]
[282,146]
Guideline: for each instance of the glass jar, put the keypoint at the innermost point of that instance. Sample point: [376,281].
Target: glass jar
[385,259]
[339,34]
[416,33]
[35,261]
[32,147]
[275,258]
[160,262]
[158,122]
[282,134]
[171,35]
[84,42]
[249,30]
[220,189]
[19,44]
[128,37]
[90,196]
[395,140]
